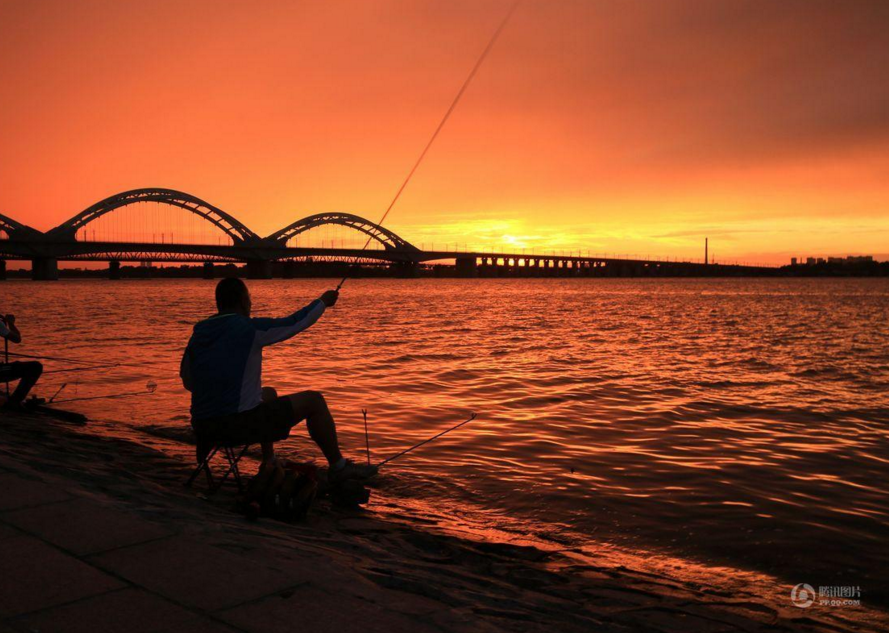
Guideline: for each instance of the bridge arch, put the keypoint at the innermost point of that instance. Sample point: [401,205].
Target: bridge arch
[14,229]
[389,240]
[226,223]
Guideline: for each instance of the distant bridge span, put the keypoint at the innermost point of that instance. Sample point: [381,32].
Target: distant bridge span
[226,223]
[45,250]
[387,238]
[16,230]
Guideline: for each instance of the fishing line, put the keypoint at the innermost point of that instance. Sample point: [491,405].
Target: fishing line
[54,358]
[76,361]
[90,368]
[116,395]
[434,437]
[444,120]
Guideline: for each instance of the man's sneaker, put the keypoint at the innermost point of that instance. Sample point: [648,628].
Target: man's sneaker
[33,402]
[351,470]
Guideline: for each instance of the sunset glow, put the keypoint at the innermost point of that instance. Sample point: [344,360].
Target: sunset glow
[635,127]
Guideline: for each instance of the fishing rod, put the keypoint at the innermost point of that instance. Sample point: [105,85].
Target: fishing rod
[150,387]
[444,120]
[6,352]
[56,394]
[366,436]
[434,437]
[5,355]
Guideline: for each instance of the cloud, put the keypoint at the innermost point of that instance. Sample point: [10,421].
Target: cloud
[711,232]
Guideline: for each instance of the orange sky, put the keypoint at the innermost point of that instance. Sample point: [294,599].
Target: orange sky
[623,127]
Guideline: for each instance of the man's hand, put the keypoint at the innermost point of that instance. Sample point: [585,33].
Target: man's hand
[329,298]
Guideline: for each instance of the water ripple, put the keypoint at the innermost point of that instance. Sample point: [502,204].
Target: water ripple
[736,421]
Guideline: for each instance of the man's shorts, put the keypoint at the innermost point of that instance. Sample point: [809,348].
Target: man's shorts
[269,422]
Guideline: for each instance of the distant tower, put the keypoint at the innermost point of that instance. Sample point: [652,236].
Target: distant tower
[706,250]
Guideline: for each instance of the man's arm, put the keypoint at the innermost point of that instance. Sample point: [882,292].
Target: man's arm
[271,331]
[8,330]
[185,370]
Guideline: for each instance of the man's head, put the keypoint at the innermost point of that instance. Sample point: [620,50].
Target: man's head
[232,296]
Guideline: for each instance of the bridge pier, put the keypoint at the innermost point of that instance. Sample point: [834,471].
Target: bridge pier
[467,267]
[259,269]
[114,269]
[2,270]
[406,270]
[45,269]
[288,269]
[208,272]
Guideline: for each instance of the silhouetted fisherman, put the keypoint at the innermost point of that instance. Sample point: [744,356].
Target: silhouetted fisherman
[222,368]
[27,372]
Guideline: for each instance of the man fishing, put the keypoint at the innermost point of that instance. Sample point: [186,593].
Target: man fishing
[222,368]
[27,373]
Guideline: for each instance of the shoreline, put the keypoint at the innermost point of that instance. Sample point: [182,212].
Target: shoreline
[394,568]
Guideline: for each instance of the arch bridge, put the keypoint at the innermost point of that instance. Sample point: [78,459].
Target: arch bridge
[226,223]
[45,250]
[14,230]
[389,240]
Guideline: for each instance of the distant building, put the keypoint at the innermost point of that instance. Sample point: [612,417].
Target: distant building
[836,261]
[793,261]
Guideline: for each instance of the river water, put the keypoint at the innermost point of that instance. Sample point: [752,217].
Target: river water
[734,422]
